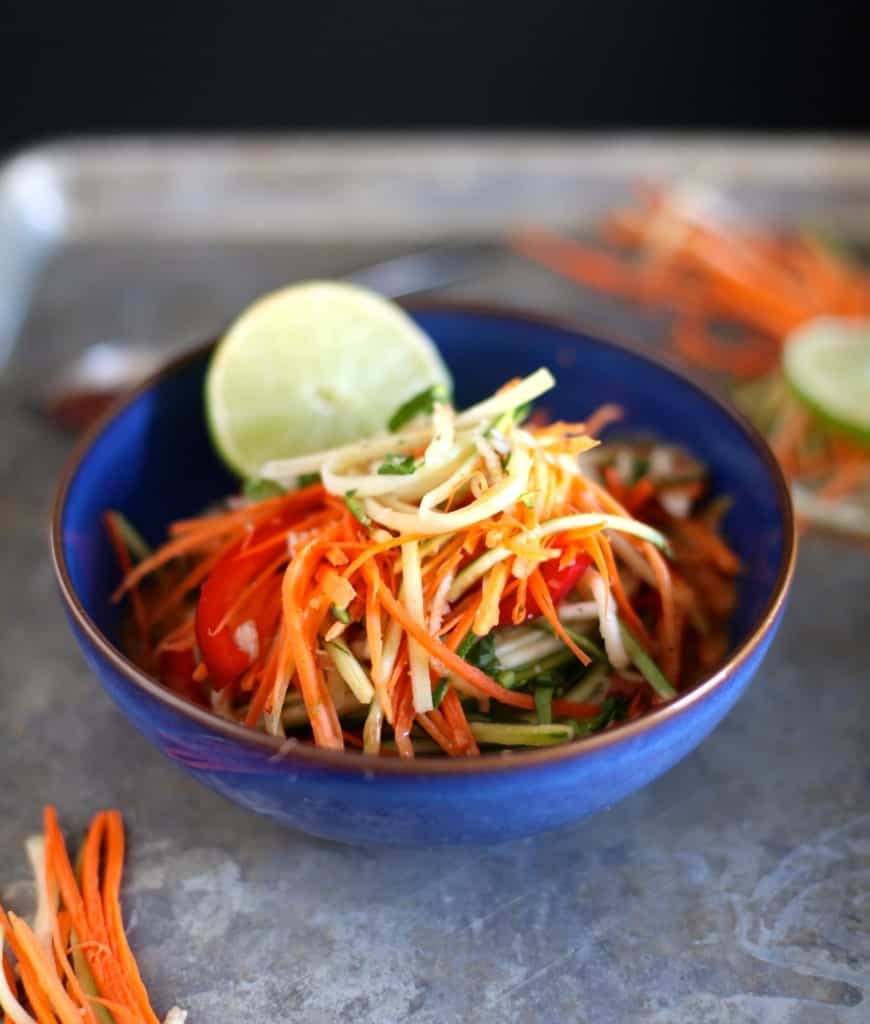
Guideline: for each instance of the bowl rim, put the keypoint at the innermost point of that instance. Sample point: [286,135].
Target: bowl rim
[284,751]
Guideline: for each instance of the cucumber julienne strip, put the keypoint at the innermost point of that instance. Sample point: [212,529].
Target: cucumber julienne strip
[520,734]
[646,666]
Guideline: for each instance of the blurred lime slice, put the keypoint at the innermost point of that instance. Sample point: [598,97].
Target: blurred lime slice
[312,366]
[827,364]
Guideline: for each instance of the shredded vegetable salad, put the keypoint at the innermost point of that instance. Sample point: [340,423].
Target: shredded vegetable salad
[73,964]
[466,580]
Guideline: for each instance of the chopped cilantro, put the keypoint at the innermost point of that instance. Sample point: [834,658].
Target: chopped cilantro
[421,403]
[397,465]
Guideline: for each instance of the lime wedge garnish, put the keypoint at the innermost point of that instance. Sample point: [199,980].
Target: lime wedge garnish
[827,364]
[313,366]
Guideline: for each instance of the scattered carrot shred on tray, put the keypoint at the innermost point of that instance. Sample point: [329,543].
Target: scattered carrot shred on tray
[735,289]
[74,963]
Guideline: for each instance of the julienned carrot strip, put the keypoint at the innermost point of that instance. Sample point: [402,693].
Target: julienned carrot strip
[593,549]
[290,503]
[459,631]
[540,592]
[125,563]
[614,483]
[519,613]
[451,661]
[44,972]
[404,703]
[318,703]
[114,984]
[12,943]
[603,416]
[271,679]
[377,549]
[845,478]
[232,528]
[112,874]
[118,1010]
[440,563]
[750,357]
[583,264]
[711,544]
[622,601]
[226,520]
[639,494]
[39,1001]
[59,868]
[182,637]
[170,600]
[433,723]
[6,967]
[60,943]
[455,715]
[574,709]
[185,545]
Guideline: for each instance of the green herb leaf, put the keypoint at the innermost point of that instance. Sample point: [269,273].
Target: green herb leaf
[419,405]
[483,655]
[528,499]
[357,509]
[439,691]
[397,465]
[341,614]
[259,490]
[307,479]
[544,705]
[468,641]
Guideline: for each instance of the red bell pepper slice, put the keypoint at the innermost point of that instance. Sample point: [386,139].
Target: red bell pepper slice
[560,582]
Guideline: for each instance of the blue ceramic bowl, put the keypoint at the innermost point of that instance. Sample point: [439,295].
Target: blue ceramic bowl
[151,458]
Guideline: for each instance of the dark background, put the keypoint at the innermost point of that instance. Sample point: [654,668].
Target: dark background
[433,63]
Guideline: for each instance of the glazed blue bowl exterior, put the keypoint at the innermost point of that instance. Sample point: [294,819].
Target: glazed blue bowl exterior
[152,459]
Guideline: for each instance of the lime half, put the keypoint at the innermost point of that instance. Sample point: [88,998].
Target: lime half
[827,364]
[312,366]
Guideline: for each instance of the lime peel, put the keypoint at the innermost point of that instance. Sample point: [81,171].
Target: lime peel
[826,363]
[311,367]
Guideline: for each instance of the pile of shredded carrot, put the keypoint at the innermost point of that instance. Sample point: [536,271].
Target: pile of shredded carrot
[736,290]
[469,581]
[74,962]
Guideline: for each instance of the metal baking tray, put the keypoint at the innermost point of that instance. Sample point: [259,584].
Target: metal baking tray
[158,239]
[715,894]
